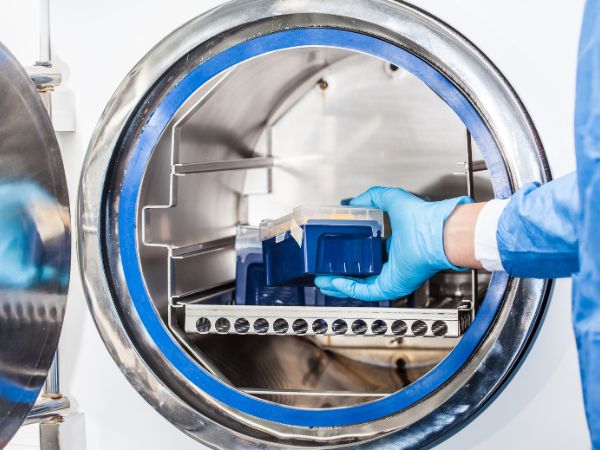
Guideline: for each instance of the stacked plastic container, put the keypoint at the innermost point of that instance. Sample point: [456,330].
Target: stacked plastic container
[321,240]
[276,265]
[251,278]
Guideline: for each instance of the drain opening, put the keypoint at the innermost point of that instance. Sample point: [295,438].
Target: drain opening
[261,326]
[319,326]
[203,325]
[379,327]
[339,327]
[399,327]
[359,327]
[222,325]
[300,326]
[419,328]
[241,325]
[280,326]
[439,328]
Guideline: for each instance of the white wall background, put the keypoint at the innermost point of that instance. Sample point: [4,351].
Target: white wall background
[95,44]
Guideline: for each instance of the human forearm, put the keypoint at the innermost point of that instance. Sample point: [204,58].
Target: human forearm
[459,235]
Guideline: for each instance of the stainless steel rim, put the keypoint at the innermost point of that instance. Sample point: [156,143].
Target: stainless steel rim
[452,55]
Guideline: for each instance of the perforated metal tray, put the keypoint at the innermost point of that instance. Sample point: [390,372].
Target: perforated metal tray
[323,321]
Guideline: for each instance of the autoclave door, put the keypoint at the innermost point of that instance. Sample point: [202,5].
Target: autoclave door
[34,244]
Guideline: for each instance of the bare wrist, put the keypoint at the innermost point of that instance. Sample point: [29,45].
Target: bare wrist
[459,235]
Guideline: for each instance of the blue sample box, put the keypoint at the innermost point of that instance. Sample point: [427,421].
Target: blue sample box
[250,275]
[251,287]
[344,241]
[314,297]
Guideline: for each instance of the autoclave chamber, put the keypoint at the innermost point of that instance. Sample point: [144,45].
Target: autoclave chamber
[259,106]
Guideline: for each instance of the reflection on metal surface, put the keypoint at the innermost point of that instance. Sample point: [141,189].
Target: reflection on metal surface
[210,204]
[47,408]
[223,166]
[45,78]
[52,385]
[296,371]
[35,258]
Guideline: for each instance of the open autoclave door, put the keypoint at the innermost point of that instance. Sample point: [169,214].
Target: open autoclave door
[35,245]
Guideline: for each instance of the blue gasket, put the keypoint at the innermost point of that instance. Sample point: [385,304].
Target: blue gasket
[142,151]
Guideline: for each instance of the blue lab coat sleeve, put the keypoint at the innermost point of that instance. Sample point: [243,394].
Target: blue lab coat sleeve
[554,230]
[537,231]
[586,284]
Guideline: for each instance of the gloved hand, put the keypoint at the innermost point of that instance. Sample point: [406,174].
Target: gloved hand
[415,248]
[21,250]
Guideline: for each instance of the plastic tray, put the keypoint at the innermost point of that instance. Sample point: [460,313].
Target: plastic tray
[251,288]
[311,241]
[250,276]
[324,214]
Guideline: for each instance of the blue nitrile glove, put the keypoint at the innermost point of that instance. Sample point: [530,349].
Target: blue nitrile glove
[415,248]
[21,250]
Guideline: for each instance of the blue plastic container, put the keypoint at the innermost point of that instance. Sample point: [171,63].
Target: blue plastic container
[313,296]
[251,286]
[250,275]
[346,248]
[333,246]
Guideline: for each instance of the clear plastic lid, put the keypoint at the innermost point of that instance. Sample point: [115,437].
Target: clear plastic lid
[247,239]
[342,215]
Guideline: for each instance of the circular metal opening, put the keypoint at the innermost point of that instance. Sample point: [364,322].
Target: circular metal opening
[339,326]
[280,326]
[195,128]
[203,325]
[359,326]
[300,326]
[241,325]
[197,236]
[379,327]
[320,326]
[399,327]
[439,328]
[222,325]
[261,326]
[418,328]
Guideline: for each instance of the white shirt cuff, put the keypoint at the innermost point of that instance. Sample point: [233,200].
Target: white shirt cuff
[486,243]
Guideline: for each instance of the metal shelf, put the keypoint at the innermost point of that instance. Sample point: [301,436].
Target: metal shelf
[223,166]
[326,321]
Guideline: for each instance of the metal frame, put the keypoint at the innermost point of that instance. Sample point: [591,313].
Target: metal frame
[195,412]
[469,169]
